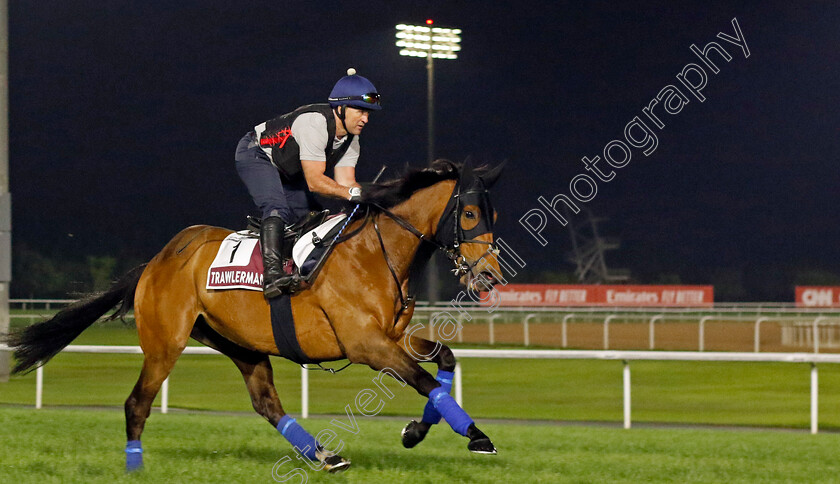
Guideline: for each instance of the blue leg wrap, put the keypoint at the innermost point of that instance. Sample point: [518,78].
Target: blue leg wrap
[450,410]
[298,437]
[430,415]
[133,455]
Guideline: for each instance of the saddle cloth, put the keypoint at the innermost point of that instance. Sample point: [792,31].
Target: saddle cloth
[238,263]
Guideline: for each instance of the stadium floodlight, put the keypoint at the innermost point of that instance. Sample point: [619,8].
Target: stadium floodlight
[425,41]
[432,43]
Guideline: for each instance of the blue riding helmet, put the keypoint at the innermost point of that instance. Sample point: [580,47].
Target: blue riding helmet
[356,91]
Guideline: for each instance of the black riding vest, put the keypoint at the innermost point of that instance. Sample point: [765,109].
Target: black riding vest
[285,152]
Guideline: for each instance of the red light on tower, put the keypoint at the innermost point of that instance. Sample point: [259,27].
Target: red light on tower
[429,21]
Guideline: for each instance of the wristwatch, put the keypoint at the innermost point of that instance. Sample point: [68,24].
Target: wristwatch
[355,192]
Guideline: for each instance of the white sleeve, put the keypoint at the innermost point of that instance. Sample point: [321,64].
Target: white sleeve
[310,133]
[351,156]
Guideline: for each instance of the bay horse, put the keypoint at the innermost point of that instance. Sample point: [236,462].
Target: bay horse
[357,309]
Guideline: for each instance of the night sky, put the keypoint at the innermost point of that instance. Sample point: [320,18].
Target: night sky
[124,117]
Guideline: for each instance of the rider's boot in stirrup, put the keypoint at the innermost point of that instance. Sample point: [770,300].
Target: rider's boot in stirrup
[275,280]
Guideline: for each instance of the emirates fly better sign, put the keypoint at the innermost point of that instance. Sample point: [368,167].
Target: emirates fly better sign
[613,295]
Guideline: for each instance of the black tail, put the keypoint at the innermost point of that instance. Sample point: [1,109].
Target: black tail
[37,344]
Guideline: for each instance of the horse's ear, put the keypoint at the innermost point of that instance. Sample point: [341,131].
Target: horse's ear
[492,175]
[466,170]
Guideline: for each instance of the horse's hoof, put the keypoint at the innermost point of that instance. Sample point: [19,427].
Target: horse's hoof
[479,443]
[413,434]
[336,463]
[482,446]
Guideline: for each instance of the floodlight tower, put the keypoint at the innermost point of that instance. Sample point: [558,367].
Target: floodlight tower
[432,43]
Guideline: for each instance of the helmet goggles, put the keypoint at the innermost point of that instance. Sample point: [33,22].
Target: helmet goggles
[369,98]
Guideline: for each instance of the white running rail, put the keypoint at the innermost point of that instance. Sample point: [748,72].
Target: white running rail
[625,356]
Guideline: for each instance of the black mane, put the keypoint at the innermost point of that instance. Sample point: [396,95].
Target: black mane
[392,192]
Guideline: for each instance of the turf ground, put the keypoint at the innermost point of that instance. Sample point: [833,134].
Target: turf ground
[66,445]
[86,446]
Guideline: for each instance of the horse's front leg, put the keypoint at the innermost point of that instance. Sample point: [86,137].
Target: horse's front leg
[424,350]
[382,354]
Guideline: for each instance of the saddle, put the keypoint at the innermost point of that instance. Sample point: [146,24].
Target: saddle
[305,257]
[293,232]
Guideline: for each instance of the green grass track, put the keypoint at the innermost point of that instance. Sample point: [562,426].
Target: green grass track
[83,446]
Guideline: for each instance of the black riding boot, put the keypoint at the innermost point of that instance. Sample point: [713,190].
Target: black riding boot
[275,279]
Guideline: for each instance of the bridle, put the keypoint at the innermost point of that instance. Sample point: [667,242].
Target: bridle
[482,194]
[452,214]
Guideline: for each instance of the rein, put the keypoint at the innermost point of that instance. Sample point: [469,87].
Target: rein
[405,302]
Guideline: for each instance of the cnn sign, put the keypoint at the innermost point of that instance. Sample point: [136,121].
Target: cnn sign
[818,296]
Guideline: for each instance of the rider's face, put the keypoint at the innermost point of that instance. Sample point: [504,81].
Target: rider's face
[355,119]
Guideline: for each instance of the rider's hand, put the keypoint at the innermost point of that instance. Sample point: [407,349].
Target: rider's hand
[355,194]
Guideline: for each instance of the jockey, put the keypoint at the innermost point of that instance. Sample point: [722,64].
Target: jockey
[283,160]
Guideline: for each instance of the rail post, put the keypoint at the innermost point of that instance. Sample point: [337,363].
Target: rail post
[651,330]
[757,336]
[626,383]
[607,331]
[816,332]
[164,396]
[526,334]
[814,396]
[492,331]
[39,387]
[563,328]
[701,335]
[304,392]
[459,390]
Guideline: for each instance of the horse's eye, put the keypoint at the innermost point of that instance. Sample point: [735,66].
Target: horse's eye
[470,214]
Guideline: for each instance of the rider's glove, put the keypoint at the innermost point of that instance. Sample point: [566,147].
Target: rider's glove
[355,194]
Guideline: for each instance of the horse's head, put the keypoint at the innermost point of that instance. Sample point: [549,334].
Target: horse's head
[468,223]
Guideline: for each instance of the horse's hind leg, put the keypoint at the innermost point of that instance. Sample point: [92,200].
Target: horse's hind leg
[260,382]
[138,406]
[424,350]
[163,328]
[259,379]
